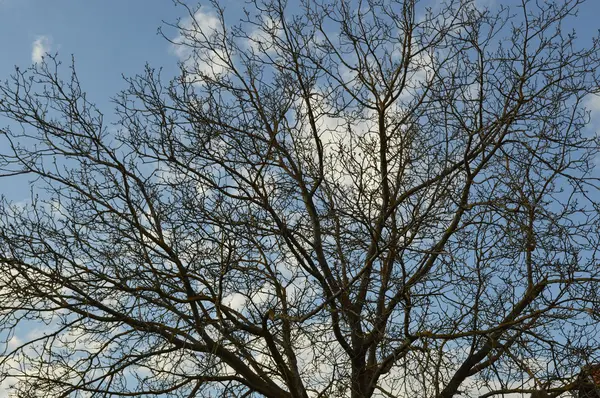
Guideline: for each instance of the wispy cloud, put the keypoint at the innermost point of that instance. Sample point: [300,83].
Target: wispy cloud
[190,45]
[592,104]
[40,47]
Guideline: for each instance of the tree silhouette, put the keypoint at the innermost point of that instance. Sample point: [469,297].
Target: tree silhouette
[345,199]
[589,381]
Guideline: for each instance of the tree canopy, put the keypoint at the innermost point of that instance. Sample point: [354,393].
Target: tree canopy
[332,199]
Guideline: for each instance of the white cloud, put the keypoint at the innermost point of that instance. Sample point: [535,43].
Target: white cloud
[592,104]
[197,47]
[235,301]
[261,39]
[40,47]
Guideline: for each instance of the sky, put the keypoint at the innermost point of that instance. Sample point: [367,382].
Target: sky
[107,38]
[112,38]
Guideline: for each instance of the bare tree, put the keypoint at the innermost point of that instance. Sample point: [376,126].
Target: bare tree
[589,382]
[345,199]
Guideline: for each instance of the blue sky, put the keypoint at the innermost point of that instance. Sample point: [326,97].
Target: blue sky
[108,38]
[111,38]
